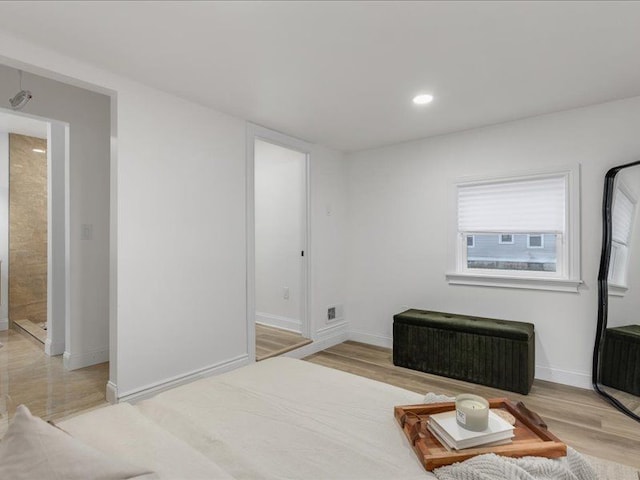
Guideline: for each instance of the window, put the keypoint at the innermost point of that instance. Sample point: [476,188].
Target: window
[535,241]
[623,216]
[471,241]
[524,232]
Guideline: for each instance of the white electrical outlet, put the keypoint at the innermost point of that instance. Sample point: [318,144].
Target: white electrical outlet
[285,293]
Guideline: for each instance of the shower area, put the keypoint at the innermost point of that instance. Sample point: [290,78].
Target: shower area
[24,218]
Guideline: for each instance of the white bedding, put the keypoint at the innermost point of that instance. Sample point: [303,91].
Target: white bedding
[122,432]
[277,419]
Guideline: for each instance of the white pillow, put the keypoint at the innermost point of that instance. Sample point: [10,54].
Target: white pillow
[32,449]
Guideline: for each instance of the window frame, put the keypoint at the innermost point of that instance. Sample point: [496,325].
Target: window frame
[502,242]
[567,275]
[529,235]
[473,241]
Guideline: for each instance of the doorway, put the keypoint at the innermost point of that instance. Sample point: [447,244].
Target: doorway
[28,227]
[278,314]
[33,190]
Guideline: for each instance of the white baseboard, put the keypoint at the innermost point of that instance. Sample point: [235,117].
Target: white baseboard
[565,377]
[112,393]
[371,339]
[150,390]
[4,324]
[326,337]
[277,321]
[53,349]
[84,359]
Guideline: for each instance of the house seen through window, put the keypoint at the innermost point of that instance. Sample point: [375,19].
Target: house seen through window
[505,238]
[532,252]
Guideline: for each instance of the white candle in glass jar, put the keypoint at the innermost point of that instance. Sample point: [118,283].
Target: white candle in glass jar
[472,412]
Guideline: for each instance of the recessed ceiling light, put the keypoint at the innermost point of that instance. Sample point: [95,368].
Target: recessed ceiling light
[422,99]
[39,150]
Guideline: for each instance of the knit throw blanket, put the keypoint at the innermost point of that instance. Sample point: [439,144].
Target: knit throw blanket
[492,467]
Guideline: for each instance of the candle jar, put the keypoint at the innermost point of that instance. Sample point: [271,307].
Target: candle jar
[472,412]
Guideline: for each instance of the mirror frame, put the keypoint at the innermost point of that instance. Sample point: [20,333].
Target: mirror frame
[603,286]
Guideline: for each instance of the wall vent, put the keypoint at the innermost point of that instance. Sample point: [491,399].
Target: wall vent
[335,313]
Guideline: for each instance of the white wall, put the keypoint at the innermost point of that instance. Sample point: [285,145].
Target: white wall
[329,219]
[88,114]
[280,178]
[179,300]
[4,230]
[398,200]
[181,238]
[179,255]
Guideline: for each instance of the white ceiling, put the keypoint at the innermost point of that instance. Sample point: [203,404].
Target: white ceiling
[343,73]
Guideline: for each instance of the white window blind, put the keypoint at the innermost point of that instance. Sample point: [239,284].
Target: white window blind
[622,226]
[622,217]
[515,206]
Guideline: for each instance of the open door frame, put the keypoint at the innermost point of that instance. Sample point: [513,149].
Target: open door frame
[255,132]
[58,250]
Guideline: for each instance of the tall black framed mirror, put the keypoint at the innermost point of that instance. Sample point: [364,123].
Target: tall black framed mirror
[616,355]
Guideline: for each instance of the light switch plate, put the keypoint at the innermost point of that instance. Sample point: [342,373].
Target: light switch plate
[87,231]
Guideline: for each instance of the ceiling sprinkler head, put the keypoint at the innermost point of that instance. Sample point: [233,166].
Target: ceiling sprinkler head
[20,99]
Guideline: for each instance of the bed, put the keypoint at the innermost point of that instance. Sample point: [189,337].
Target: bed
[277,419]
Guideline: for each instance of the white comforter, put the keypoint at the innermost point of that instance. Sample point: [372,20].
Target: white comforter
[277,419]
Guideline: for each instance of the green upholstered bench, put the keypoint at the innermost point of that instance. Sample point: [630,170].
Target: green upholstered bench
[497,353]
[620,367]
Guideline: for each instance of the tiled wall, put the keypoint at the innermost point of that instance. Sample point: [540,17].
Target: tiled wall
[27,229]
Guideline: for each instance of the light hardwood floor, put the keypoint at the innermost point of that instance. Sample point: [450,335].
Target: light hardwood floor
[271,342]
[29,376]
[578,417]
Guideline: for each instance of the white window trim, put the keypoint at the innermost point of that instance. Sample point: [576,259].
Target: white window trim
[535,235]
[571,279]
[473,241]
[617,290]
[501,242]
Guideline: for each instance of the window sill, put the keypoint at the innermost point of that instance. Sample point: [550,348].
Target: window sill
[617,290]
[529,283]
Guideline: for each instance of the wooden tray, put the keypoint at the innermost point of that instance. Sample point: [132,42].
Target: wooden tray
[531,435]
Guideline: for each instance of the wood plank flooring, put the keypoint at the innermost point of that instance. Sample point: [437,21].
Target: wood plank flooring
[29,376]
[33,329]
[271,342]
[578,417]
